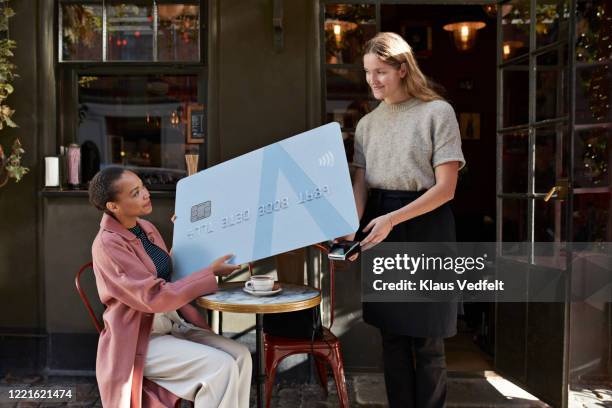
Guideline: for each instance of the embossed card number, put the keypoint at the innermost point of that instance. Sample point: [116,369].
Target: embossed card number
[201,211]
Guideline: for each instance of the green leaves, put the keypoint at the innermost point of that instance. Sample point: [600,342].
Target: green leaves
[11,165]
[5,117]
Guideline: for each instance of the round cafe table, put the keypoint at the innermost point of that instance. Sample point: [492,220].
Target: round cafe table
[231,298]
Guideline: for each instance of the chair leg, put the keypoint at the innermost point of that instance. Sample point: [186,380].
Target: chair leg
[338,370]
[272,361]
[322,372]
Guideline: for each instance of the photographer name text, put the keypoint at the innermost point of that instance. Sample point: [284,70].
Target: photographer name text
[430,285]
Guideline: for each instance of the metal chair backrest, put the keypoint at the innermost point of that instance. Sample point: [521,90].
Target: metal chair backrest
[77,282]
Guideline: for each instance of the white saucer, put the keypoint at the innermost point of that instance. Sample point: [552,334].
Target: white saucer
[262,292]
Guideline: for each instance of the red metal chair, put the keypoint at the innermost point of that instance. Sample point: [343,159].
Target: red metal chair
[326,350]
[168,397]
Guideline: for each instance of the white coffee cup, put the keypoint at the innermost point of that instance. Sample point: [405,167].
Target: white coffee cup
[260,283]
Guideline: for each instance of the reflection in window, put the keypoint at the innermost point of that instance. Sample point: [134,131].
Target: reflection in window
[137,30]
[514,220]
[592,217]
[347,28]
[593,39]
[551,89]
[135,121]
[592,158]
[515,28]
[515,160]
[593,93]
[516,94]
[130,32]
[545,169]
[552,17]
[81,32]
[178,36]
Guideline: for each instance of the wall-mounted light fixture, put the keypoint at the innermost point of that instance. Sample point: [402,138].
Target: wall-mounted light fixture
[464,33]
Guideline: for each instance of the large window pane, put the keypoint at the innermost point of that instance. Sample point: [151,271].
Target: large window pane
[81,29]
[515,156]
[594,57]
[592,217]
[515,28]
[593,93]
[136,30]
[516,94]
[130,31]
[178,33]
[514,222]
[592,30]
[136,121]
[551,89]
[347,28]
[549,221]
[552,21]
[551,152]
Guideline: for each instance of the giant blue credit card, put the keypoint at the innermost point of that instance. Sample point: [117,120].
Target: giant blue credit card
[284,196]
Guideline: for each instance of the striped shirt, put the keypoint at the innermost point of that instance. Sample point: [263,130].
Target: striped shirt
[160,258]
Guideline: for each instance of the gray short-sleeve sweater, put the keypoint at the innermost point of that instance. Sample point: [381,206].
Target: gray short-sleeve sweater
[399,145]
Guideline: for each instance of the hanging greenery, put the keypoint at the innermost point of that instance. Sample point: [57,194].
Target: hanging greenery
[10,167]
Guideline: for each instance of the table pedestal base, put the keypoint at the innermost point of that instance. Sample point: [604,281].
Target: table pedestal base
[261,366]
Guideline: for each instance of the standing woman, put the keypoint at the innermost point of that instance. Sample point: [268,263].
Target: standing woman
[407,154]
[144,335]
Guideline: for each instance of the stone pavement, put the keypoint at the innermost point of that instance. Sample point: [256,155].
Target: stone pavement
[366,390]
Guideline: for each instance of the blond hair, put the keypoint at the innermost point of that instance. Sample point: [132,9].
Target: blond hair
[393,50]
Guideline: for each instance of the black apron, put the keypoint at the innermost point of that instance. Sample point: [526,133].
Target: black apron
[426,319]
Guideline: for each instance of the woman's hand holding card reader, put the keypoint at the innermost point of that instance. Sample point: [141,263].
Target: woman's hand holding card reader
[342,251]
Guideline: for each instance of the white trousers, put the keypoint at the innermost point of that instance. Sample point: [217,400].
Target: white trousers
[198,365]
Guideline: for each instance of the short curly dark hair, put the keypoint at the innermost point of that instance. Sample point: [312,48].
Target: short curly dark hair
[102,187]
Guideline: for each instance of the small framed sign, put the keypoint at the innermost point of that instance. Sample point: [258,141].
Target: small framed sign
[196,123]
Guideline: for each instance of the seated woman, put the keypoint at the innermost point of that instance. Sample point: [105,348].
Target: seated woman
[143,333]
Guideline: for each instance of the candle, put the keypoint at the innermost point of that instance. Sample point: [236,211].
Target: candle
[51,171]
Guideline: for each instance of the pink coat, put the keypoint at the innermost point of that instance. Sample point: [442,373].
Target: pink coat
[129,288]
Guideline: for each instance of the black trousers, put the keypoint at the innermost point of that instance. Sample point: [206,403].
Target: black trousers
[415,371]
[413,333]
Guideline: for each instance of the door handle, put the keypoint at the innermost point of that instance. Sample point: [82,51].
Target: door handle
[550,193]
[560,189]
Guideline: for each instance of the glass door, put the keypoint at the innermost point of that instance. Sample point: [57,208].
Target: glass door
[533,141]
[590,322]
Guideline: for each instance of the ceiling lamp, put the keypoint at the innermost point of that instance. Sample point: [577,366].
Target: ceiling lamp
[464,33]
[339,27]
